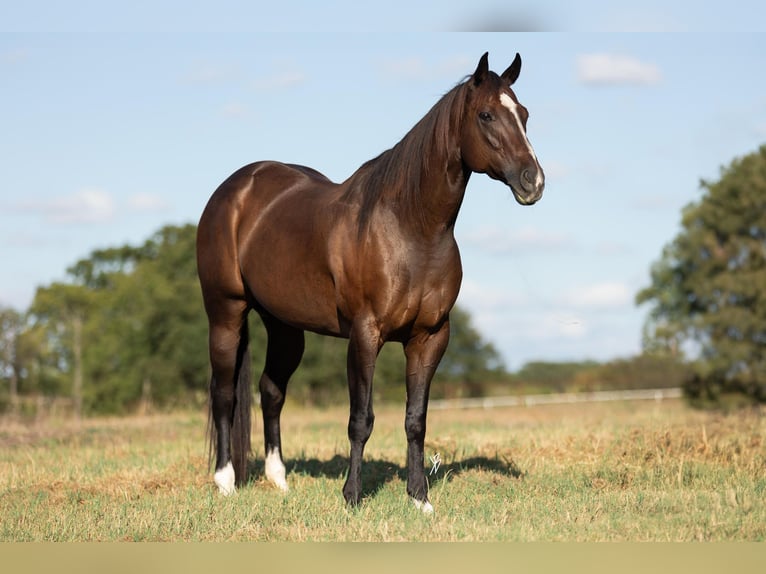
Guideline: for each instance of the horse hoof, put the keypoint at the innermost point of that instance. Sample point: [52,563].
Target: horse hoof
[224,480]
[281,485]
[275,471]
[423,506]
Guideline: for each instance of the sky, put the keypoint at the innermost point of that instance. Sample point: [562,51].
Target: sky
[116,121]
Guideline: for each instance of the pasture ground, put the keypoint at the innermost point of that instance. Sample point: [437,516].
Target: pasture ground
[631,471]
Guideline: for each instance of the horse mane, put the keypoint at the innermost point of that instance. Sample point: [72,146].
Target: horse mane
[396,173]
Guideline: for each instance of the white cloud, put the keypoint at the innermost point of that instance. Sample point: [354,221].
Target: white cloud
[489,305]
[489,299]
[567,324]
[525,239]
[507,313]
[616,69]
[207,73]
[89,205]
[83,206]
[147,202]
[607,295]
[280,81]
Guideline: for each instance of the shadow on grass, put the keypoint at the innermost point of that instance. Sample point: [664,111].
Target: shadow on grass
[377,473]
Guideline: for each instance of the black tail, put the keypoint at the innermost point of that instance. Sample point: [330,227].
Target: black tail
[240,430]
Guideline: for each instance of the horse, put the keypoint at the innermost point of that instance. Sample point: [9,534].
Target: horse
[373,259]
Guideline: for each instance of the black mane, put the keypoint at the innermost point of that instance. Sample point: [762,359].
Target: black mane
[396,173]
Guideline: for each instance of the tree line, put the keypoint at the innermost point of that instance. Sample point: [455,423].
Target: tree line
[126,330]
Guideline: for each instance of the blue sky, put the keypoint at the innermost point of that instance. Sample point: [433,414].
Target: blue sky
[107,135]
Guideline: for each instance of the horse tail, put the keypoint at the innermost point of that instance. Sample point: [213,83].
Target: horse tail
[243,397]
[240,430]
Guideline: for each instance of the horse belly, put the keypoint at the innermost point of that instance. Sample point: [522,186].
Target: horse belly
[304,305]
[285,273]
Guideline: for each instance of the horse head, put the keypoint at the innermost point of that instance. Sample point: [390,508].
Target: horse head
[494,132]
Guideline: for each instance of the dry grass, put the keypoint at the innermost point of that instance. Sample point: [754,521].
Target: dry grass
[626,471]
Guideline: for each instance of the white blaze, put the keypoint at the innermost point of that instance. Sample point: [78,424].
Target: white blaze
[508,103]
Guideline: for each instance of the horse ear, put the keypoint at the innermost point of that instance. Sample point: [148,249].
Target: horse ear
[481,70]
[512,73]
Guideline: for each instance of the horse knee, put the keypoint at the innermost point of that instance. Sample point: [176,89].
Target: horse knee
[222,398]
[415,428]
[272,396]
[360,427]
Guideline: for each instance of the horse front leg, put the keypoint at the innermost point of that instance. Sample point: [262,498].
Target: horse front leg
[363,348]
[423,352]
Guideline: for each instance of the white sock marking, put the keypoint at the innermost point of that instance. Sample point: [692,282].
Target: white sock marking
[224,479]
[275,470]
[424,507]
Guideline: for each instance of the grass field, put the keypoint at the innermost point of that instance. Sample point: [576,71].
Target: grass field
[640,471]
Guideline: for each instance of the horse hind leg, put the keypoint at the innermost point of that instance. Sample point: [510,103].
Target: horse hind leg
[283,355]
[230,395]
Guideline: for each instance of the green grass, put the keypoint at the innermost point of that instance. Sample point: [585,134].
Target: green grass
[624,472]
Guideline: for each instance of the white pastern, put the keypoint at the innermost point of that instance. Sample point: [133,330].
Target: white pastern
[275,470]
[224,479]
[424,507]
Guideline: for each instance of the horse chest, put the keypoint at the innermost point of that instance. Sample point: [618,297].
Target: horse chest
[424,290]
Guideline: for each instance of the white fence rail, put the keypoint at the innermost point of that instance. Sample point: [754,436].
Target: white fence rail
[556,399]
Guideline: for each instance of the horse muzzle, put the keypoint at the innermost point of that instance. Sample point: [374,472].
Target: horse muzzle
[528,186]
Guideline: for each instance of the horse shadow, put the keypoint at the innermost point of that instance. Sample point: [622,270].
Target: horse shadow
[377,473]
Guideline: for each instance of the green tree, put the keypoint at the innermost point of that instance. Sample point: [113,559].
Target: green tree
[469,360]
[60,311]
[11,327]
[550,377]
[709,287]
[467,366]
[128,330]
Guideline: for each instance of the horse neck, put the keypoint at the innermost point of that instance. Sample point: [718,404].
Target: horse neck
[422,179]
[442,188]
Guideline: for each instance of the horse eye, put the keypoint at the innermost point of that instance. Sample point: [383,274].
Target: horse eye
[485,116]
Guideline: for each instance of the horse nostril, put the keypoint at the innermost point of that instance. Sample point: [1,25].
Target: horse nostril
[532,183]
[528,178]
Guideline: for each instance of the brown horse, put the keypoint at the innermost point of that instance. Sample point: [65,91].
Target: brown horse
[372,259]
